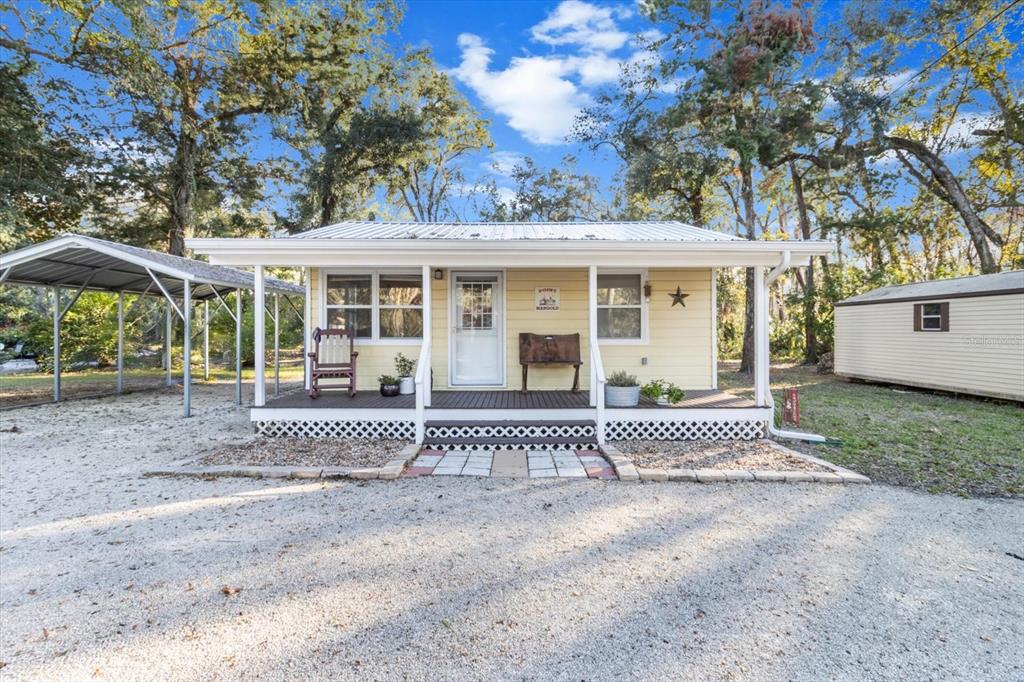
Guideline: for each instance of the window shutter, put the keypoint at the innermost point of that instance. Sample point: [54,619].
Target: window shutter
[944,320]
[917,316]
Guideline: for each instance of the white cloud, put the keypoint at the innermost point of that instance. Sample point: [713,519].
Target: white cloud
[502,163]
[589,26]
[533,93]
[540,96]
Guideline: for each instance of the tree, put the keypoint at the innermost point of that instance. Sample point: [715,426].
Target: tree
[44,170]
[669,166]
[558,194]
[428,173]
[192,76]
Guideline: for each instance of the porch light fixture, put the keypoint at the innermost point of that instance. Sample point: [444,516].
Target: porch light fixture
[438,274]
[647,290]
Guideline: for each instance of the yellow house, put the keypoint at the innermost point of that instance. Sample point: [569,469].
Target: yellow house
[459,298]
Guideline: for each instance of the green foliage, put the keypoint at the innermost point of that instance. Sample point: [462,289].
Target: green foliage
[404,367]
[558,194]
[622,379]
[656,388]
[387,380]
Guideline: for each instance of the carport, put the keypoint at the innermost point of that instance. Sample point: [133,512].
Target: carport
[79,263]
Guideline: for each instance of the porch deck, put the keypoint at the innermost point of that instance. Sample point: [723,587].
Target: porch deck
[496,400]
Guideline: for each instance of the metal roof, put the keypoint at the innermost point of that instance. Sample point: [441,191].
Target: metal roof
[646,231]
[70,260]
[959,287]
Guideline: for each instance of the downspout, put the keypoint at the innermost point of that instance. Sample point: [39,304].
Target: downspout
[779,433]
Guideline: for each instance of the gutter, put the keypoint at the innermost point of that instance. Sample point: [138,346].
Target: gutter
[780,433]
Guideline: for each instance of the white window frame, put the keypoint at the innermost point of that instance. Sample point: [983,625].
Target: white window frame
[374,307]
[644,306]
[937,316]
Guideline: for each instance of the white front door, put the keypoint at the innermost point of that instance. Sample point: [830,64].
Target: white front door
[477,341]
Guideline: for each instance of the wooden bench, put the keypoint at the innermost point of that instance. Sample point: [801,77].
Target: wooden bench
[550,349]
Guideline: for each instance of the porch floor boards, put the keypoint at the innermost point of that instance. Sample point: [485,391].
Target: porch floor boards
[495,400]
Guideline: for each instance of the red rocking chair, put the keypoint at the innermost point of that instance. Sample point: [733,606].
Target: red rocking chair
[333,358]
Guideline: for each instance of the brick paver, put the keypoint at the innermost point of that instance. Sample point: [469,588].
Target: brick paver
[541,463]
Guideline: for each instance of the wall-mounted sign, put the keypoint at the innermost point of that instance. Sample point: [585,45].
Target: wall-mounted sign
[547,298]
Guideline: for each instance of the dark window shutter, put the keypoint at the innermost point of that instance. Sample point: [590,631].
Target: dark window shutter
[917,316]
[944,320]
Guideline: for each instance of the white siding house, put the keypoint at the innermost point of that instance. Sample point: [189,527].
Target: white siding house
[964,335]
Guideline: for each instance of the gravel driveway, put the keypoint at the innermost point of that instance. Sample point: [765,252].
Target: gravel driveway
[105,574]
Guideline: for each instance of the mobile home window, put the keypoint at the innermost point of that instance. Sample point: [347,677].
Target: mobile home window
[931,317]
[620,306]
[377,305]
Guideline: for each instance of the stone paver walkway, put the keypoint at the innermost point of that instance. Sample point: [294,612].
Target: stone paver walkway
[512,464]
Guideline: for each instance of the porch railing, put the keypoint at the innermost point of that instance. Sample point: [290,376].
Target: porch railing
[599,381]
[422,386]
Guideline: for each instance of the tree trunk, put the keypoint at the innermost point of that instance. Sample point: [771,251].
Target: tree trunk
[183,193]
[978,229]
[810,295]
[747,191]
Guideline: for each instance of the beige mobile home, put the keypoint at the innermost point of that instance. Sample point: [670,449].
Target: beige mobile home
[964,335]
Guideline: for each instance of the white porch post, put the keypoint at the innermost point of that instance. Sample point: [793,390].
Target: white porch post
[428,313]
[259,338]
[56,344]
[186,344]
[206,340]
[168,330]
[714,328]
[760,338]
[306,331]
[277,344]
[238,346]
[592,332]
[120,342]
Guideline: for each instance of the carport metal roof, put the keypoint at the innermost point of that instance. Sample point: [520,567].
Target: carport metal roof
[86,263]
[73,260]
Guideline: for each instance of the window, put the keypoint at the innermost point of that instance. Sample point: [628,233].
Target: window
[931,317]
[377,305]
[620,313]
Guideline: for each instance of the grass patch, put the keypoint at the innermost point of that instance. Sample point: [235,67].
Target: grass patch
[933,442]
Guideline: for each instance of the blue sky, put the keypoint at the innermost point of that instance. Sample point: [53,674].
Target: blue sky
[528,67]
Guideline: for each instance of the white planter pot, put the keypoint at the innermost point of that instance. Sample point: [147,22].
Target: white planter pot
[621,396]
[663,400]
[406,386]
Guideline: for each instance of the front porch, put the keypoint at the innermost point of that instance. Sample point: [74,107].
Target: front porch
[495,418]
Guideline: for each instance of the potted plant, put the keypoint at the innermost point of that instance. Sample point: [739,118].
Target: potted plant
[664,392]
[388,385]
[622,390]
[404,368]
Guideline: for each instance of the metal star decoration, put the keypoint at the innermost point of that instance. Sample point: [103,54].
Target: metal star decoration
[678,297]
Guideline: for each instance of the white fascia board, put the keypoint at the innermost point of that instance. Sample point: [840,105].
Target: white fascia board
[484,253]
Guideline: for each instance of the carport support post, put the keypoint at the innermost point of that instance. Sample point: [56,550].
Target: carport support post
[238,346]
[186,350]
[56,344]
[168,330]
[206,340]
[259,312]
[120,342]
[277,344]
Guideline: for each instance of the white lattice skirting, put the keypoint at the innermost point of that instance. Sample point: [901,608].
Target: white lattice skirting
[686,430]
[295,428]
[510,430]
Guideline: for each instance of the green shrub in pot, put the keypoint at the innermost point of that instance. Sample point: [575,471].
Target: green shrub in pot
[622,390]
[388,385]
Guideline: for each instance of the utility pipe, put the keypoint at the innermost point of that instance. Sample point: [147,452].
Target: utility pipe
[769,399]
